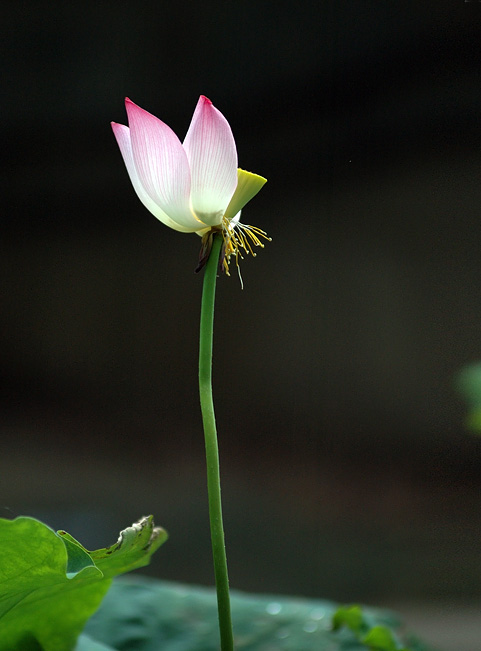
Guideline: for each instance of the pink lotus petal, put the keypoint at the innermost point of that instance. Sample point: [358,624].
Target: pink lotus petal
[161,165]
[122,135]
[212,155]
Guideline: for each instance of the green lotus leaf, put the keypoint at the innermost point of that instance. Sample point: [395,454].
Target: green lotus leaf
[50,584]
[151,615]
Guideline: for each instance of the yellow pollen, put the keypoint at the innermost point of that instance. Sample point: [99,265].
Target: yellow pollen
[239,238]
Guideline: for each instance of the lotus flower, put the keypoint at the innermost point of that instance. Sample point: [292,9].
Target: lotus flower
[194,186]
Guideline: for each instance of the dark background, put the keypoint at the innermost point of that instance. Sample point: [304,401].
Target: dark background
[347,472]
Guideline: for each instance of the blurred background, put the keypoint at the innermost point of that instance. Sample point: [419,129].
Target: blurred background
[347,471]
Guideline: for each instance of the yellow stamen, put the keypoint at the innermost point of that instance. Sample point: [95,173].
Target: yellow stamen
[240,238]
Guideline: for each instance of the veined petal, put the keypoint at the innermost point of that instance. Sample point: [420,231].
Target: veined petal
[212,156]
[122,135]
[161,164]
[248,185]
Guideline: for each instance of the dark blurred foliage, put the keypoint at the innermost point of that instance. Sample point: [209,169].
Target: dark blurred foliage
[347,471]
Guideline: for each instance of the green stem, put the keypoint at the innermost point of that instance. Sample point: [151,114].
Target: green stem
[211,447]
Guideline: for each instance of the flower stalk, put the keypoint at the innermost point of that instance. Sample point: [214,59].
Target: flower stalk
[196,187]
[211,446]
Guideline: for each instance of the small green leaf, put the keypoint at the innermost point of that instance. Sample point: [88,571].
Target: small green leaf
[380,638]
[350,616]
[372,636]
[468,384]
[50,584]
